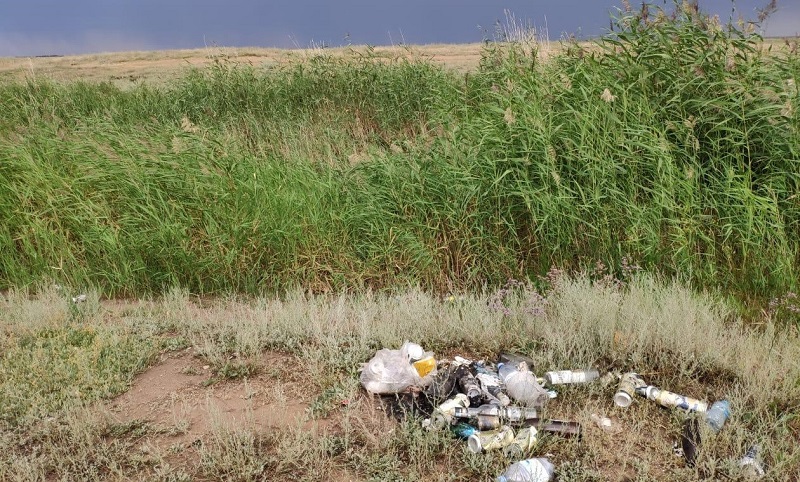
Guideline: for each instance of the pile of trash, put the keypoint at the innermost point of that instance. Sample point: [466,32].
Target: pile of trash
[495,406]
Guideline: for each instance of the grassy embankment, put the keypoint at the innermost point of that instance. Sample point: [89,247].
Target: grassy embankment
[674,145]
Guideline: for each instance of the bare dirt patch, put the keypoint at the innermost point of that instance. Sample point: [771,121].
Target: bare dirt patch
[176,405]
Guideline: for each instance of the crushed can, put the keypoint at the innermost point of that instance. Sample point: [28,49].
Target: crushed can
[490,439]
[525,440]
[628,387]
[443,414]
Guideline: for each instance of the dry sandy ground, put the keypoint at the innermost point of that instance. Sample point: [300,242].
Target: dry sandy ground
[128,68]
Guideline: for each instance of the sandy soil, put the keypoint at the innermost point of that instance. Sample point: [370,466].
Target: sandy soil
[160,67]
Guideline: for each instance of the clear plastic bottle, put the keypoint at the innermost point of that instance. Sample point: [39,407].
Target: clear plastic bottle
[750,465]
[529,470]
[718,414]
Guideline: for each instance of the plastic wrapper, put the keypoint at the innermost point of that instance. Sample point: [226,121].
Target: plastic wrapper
[393,371]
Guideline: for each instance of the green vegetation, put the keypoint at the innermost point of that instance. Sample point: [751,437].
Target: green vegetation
[673,143]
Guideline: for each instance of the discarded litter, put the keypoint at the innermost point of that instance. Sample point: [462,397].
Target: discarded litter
[443,414]
[521,384]
[490,439]
[628,386]
[673,400]
[564,377]
[492,416]
[718,414]
[392,371]
[463,430]
[80,298]
[750,465]
[525,440]
[602,422]
[530,470]
[498,406]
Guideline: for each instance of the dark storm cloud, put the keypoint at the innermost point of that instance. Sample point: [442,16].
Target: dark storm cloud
[37,27]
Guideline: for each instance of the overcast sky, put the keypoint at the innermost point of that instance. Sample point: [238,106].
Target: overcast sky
[46,27]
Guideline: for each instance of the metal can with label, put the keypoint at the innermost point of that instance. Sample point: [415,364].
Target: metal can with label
[628,386]
[564,377]
[524,441]
[673,400]
[491,439]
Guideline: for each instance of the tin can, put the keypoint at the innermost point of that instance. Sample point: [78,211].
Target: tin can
[564,377]
[519,414]
[524,441]
[673,400]
[488,421]
[491,439]
[628,386]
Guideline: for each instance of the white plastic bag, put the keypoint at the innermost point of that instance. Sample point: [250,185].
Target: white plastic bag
[392,371]
[521,385]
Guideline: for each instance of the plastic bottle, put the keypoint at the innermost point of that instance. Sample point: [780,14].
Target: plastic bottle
[718,414]
[750,465]
[530,470]
[521,384]
[564,377]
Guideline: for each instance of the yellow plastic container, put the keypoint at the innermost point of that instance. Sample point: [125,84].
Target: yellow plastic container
[425,366]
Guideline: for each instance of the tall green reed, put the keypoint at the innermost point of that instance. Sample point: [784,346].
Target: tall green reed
[673,142]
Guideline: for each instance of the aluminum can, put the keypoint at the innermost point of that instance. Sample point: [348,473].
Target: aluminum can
[443,414]
[524,441]
[491,439]
[673,400]
[628,386]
